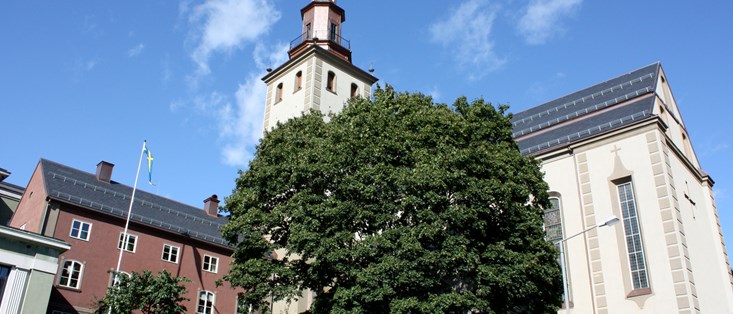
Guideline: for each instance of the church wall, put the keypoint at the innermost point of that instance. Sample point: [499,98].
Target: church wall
[704,246]
[598,261]
[566,188]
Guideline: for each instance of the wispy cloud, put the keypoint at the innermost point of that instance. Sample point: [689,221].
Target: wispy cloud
[226,25]
[90,64]
[135,51]
[467,33]
[540,21]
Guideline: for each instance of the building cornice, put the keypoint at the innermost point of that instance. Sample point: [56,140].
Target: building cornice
[34,238]
[316,50]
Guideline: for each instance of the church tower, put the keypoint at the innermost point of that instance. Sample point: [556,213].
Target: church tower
[319,74]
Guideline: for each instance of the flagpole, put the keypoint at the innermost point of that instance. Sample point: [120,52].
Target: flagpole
[129,212]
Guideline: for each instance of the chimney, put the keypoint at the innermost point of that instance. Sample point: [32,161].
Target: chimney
[104,171]
[211,206]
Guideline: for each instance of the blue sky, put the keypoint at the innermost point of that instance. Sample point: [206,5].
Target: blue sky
[85,81]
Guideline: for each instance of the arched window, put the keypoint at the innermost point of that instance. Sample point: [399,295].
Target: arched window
[206,303]
[279,93]
[71,274]
[553,220]
[298,81]
[331,82]
[354,90]
[554,231]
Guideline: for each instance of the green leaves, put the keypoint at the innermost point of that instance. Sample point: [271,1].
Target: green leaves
[146,292]
[396,205]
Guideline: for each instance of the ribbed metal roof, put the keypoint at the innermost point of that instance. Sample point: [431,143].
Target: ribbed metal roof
[602,107]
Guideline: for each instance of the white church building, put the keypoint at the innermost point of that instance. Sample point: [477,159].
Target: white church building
[619,148]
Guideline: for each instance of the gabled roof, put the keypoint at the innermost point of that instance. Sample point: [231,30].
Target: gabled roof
[600,108]
[72,186]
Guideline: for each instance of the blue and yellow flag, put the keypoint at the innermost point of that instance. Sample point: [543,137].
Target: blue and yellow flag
[149,157]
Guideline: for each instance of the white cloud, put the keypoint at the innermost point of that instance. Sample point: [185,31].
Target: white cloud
[467,32]
[135,51]
[226,25]
[240,126]
[541,19]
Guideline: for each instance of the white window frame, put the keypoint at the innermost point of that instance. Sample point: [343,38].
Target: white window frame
[206,297]
[79,230]
[214,264]
[170,248]
[71,274]
[127,242]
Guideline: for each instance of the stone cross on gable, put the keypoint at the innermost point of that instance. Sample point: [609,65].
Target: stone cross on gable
[615,150]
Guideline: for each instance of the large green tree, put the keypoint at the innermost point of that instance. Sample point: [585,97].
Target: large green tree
[148,293]
[396,205]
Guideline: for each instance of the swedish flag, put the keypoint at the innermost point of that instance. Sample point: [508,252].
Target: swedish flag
[149,157]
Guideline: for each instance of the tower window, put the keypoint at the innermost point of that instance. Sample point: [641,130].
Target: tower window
[308,31]
[298,81]
[334,32]
[279,93]
[331,82]
[354,90]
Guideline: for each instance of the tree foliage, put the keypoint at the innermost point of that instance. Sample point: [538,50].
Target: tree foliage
[151,294]
[396,205]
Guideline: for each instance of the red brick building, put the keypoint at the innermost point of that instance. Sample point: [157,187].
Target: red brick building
[89,210]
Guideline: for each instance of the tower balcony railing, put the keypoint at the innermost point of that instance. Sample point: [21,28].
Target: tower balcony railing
[320,35]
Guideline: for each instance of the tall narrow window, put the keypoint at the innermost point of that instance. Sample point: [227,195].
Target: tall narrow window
[206,303]
[634,244]
[298,81]
[334,32]
[553,229]
[553,221]
[279,93]
[71,274]
[331,81]
[354,90]
[308,31]
[80,230]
